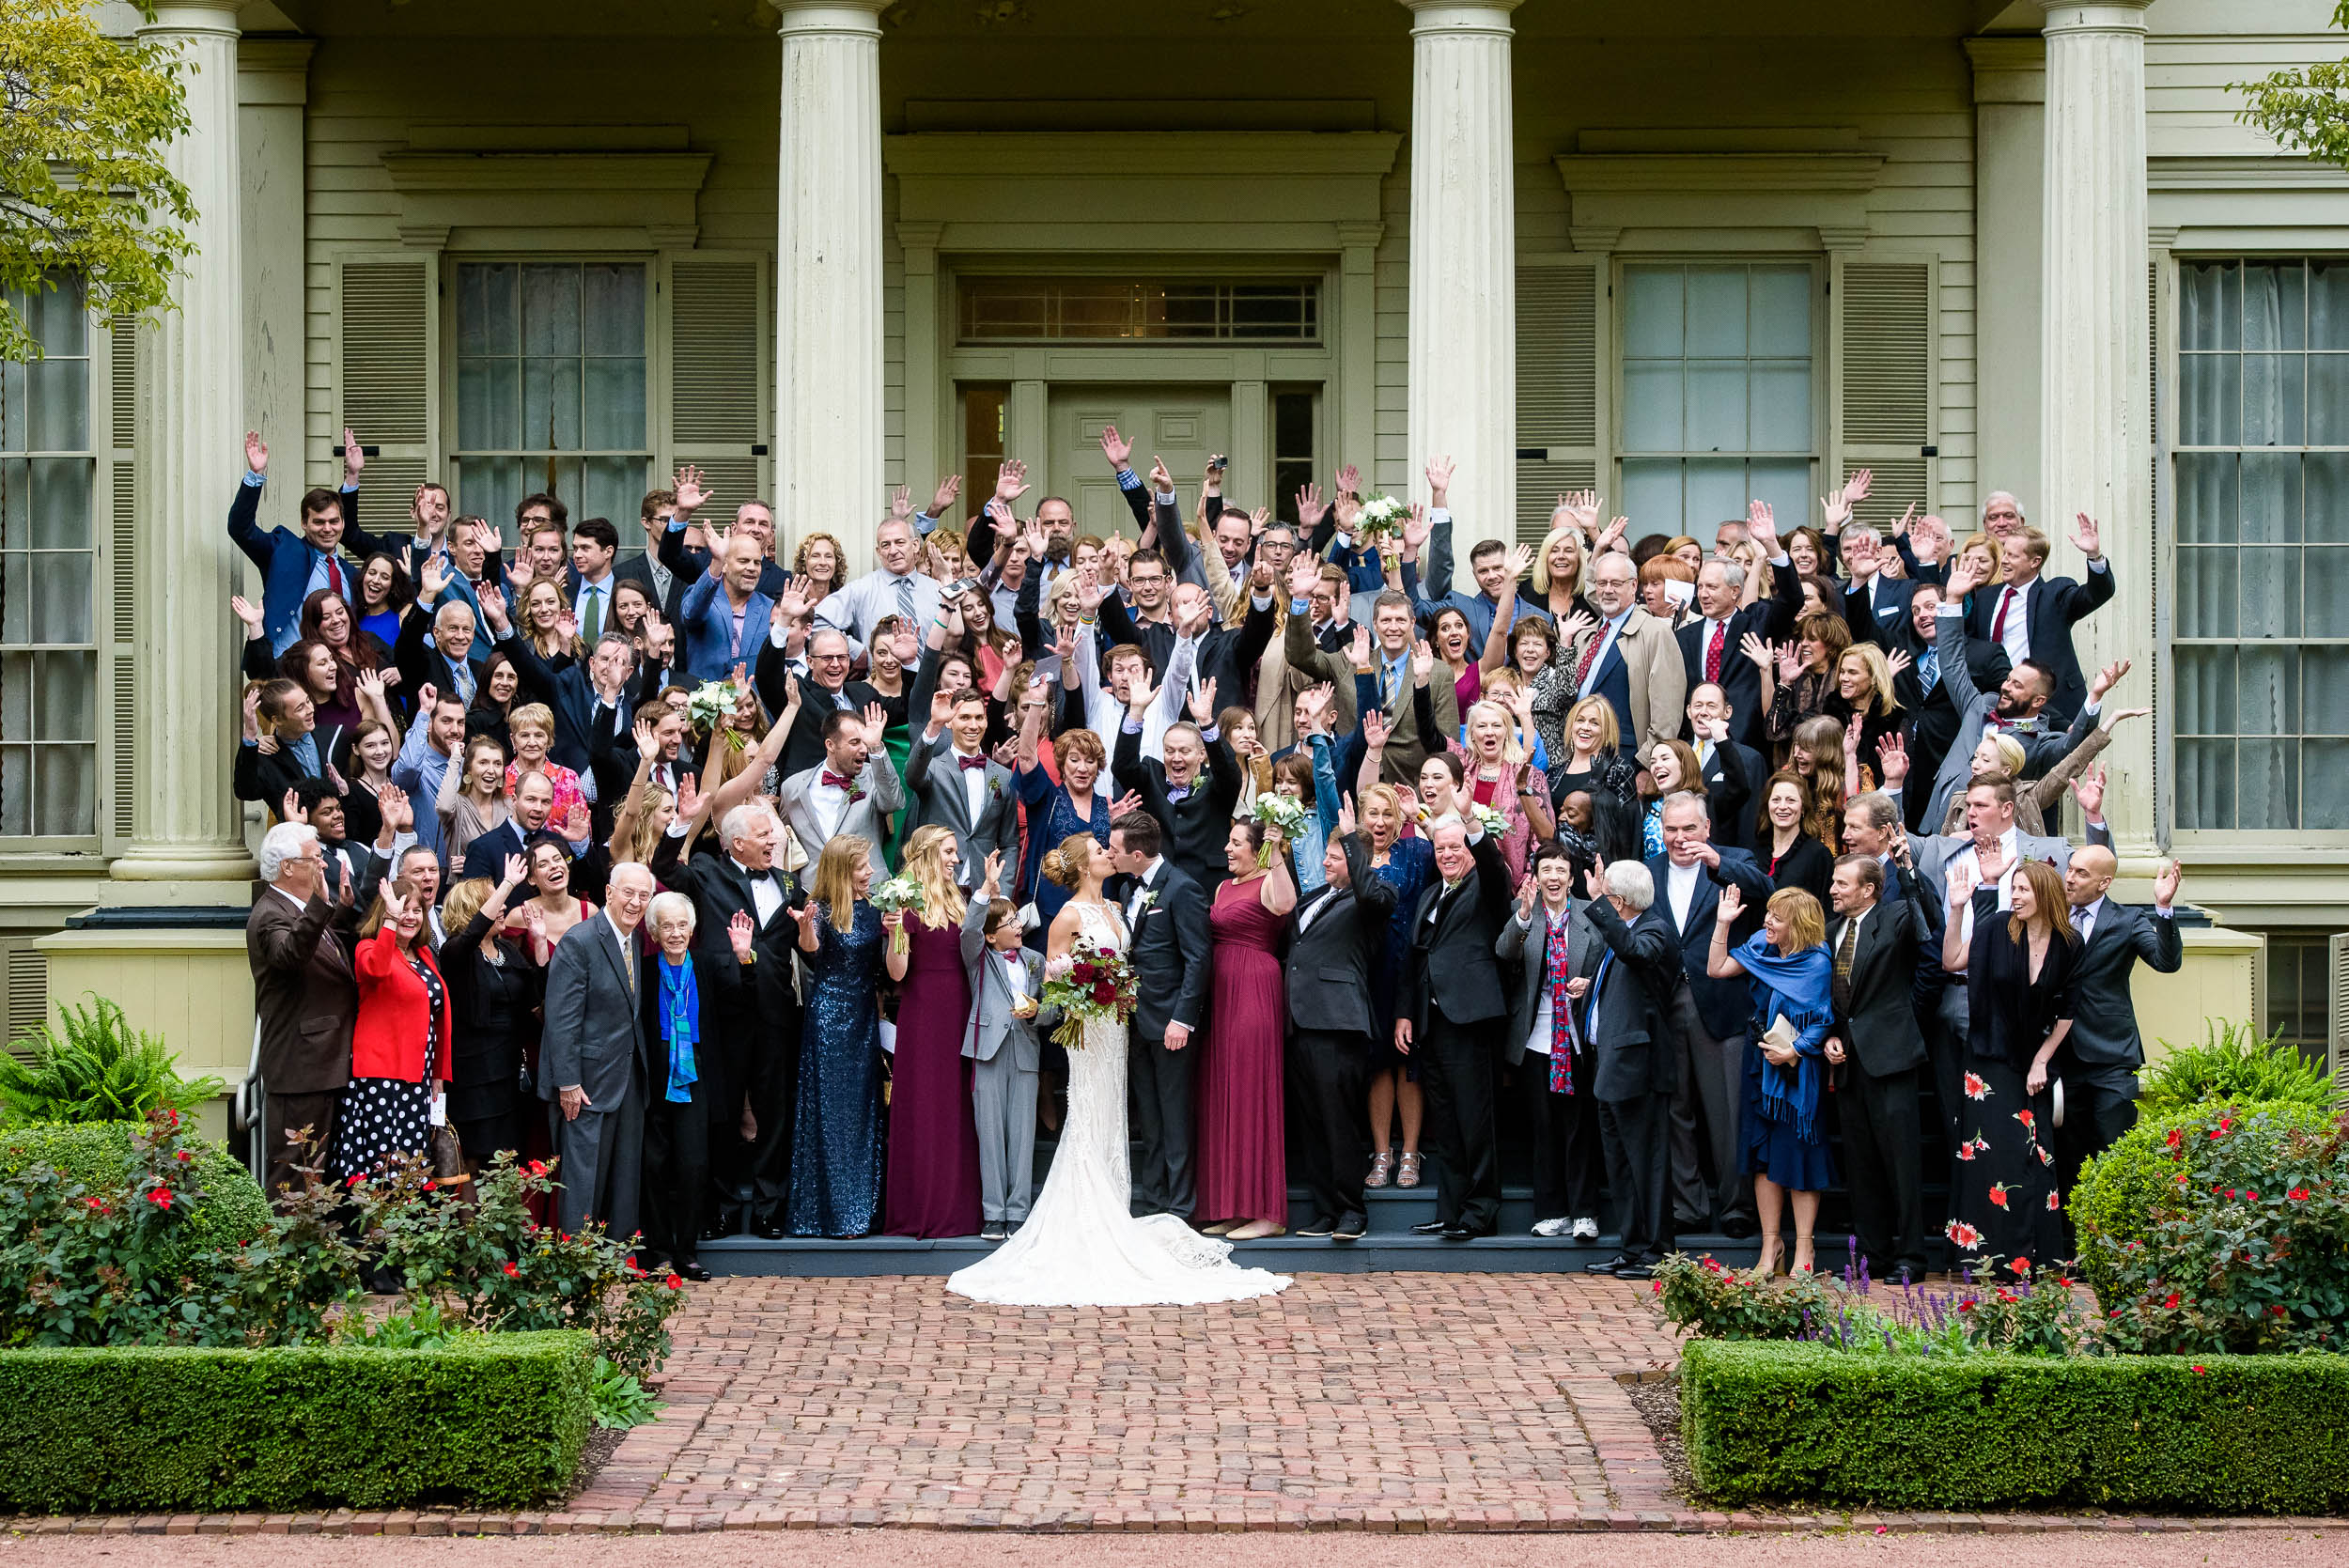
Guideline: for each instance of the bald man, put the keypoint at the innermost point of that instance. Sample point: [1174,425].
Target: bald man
[2101,1056]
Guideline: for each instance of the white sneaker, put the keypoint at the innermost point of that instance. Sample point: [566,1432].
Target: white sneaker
[1551,1227]
[1586,1229]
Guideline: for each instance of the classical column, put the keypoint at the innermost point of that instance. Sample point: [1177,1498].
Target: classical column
[2096,369]
[186,827]
[1463,355]
[829,465]
[272,92]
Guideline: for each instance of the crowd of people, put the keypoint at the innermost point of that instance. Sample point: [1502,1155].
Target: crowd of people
[723,878]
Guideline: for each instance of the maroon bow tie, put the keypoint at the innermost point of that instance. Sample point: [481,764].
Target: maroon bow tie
[961,761]
[834,780]
[1008,955]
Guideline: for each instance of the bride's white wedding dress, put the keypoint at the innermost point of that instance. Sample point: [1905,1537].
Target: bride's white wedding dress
[1081,1246]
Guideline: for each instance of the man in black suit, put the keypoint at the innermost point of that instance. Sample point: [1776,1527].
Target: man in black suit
[534,805]
[1450,1004]
[825,690]
[2101,1055]
[1623,1012]
[1168,940]
[1191,800]
[1710,1018]
[1868,594]
[753,1030]
[1336,930]
[1882,953]
[1709,650]
[452,662]
[1734,771]
[2032,616]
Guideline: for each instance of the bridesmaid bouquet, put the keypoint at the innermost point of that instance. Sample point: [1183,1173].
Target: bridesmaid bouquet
[712,704]
[1282,812]
[897,895]
[1494,824]
[1381,516]
[1096,981]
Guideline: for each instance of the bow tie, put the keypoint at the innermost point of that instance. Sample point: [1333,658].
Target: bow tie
[961,761]
[1008,955]
[834,780]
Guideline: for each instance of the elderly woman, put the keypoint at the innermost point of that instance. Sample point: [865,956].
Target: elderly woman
[1780,1132]
[677,1106]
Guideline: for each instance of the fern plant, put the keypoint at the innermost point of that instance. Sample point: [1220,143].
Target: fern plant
[99,1069]
[2233,1065]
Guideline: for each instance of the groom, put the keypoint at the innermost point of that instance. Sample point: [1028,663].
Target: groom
[1166,917]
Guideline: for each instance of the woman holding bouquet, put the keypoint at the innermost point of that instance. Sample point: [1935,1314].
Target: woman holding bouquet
[835,1130]
[933,1139]
[1243,1157]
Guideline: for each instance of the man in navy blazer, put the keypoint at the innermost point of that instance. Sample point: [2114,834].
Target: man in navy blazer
[1884,600]
[1711,1017]
[589,700]
[724,618]
[1710,651]
[2032,616]
[294,567]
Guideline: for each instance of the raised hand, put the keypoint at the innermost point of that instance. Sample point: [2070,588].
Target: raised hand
[1138,693]
[1258,520]
[2166,884]
[688,797]
[1375,729]
[256,452]
[576,824]
[1161,479]
[1416,528]
[399,815]
[1116,448]
[1350,482]
[876,719]
[1361,649]
[943,497]
[991,879]
[247,612]
[1130,801]
[1961,888]
[2087,537]
[1900,529]
[1318,700]
[2088,790]
[1304,571]
[289,809]
[1963,579]
[1789,661]
[1899,660]
[1762,526]
[1731,905]
[739,934]
[901,503]
[1011,480]
[1579,626]
[1756,650]
[1203,703]
[1581,510]
[1528,890]
[432,579]
[1089,590]
[2107,678]
[1519,561]
[394,906]
[1611,538]
[941,709]
[1892,757]
[516,872]
[1311,508]
[1422,662]
[1346,818]
[1439,471]
[354,456]
[691,496]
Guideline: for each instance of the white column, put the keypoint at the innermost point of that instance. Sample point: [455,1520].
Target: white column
[272,92]
[829,461]
[2096,444]
[1463,357]
[186,827]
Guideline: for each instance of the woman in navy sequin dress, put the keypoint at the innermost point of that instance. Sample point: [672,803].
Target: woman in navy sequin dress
[836,1130]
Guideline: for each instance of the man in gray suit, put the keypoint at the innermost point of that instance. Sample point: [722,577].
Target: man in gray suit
[2102,1053]
[1006,989]
[1546,944]
[853,790]
[958,786]
[592,1064]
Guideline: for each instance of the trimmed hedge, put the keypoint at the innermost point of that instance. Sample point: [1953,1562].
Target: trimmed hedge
[2224,1434]
[97,1155]
[492,1420]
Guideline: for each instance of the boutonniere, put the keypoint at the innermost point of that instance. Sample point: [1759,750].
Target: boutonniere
[995,788]
[1150,897]
[856,791]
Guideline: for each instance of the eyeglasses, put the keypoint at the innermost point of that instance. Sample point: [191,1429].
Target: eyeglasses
[828,658]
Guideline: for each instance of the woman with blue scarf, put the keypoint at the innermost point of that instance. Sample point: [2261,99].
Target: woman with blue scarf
[1778,1114]
[678,1108]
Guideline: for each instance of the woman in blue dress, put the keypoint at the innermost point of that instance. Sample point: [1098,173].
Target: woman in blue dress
[1057,811]
[836,1130]
[1780,1129]
[1405,863]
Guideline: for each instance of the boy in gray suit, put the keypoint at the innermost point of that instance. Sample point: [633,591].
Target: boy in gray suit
[1006,987]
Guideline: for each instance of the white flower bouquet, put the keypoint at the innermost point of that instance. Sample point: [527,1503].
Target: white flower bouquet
[1490,820]
[897,895]
[1380,516]
[712,704]
[1276,811]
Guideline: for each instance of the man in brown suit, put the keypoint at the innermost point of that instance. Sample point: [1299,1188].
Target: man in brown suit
[305,994]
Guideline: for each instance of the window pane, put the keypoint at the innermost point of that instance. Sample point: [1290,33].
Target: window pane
[16,791]
[1651,493]
[2268,785]
[614,311]
[1716,313]
[16,694]
[2324,690]
[2328,304]
[66,789]
[61,597]
[2271,498]
[489,403]
[1652,407]
[1786,485]
[16,597]
[61,503]
[1652,313]
[2207,582]
[2206,690]
[1781,402]
[2210,306]
[2274,394]
[59,395]
[2206,784]
[1716,489]
[551,404]
[67,697]
[1717,407]
[610,487]
[2268,690]
[491,487]
[2328,399]
[486,318]
[2327,596]
[2206,496]
[2210,399]
[1779,327]
[615,403]
[549,310]
[2273,307]
[59,316]
[2324,774]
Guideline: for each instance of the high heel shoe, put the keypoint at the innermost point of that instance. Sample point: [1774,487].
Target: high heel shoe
[1381,1168]
[1804,1256]
[1407,1171]
[1773,1250]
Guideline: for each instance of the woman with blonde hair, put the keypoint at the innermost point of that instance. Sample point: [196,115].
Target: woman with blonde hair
[1868,708]
[1497,777]
[1406,864]
[1559,566]
[2019,998]
[1592,762]
[933,1175]
[472,798]
[815,573]
[837,1130]
[531,727]
[1780,1132]
[545,620]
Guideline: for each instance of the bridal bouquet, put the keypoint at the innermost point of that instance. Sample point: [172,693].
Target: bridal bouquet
[712,704]
[1494,824]
[1284,813]
[1094,981]
[897,895]
[1380,516]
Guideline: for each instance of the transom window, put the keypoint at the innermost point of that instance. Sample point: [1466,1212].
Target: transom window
[1011,310]
[551,388]
[1717,393]
[2261,620]
[48,566]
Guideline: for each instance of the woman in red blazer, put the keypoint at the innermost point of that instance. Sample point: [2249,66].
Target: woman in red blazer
[399,1050]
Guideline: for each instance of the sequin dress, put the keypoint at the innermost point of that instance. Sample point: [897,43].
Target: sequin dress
[837,1130]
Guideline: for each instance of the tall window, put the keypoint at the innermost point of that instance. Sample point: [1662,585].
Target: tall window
[550,387]
[1717,391]
[48,563]
[982,447]
[1292,451]
[2261,622]
[2298,991]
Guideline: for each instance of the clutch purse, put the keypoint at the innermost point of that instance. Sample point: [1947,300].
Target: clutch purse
[1779,1036]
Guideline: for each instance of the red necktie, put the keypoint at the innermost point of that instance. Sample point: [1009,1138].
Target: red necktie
[1997,628]
[1590,656]
[833,778]
[969,762]
[334,578]
[1713,653]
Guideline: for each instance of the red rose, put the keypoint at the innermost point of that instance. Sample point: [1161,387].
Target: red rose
[160,1197]
[2175,1138]
[2298,1194]
[429,1184]
[674,1282]
[183,1156]
[2252,1196]
[512,1269]
[1104,992]
[2173,1302]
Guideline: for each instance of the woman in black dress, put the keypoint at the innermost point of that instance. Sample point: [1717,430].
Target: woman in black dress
[2018,993]
[494,987]
[1789,854]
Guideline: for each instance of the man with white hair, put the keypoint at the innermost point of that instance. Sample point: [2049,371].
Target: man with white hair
[449,661]
[2002,515]
[892,588]
[305,996]
[750,1031]
[1627,1013]
[592,1064]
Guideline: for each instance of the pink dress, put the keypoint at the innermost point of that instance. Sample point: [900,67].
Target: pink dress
[1243,1154]
[565,782]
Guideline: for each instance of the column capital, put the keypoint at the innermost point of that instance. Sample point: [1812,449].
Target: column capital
[177,17]
[849,18]
[2093,16]
[1442,17]
[2009,69]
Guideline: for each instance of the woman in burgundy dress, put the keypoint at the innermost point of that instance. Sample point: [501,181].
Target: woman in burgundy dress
[933,1178]
[1243,1155]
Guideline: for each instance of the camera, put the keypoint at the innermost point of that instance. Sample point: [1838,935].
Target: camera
[955,589]
[1218,462]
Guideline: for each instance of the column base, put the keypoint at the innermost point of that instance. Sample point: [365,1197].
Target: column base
[207,872]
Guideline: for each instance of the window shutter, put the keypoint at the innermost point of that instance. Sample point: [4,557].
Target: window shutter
[718,367]
[28,991]
[122,563]
[1557,389]
[1888,384]
[384,380]
[2336,1009]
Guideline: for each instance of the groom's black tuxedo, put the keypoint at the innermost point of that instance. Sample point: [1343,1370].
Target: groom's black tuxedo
[1168,944]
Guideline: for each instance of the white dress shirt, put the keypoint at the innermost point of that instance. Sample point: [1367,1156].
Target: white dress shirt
[1553,927]
[854,610]
[1144,883]
[973,781]
[766,898]
[1680,888]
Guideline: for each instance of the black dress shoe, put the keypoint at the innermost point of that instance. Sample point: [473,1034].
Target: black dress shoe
[770,1230]
[993,1231]
[1350,1228]
[1621,1259]
[715,1231]
[1459,1232]
[1636,1271]
[1738,1228]
[693,1271]
[1321,1224]
[1430,1226]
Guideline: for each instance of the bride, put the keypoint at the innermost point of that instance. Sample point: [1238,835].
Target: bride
[1080,1246]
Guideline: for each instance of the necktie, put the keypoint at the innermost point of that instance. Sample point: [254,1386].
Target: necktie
[1589,657]
[2079,923]
[961,761]
[334,578]
[1929,670]
[591,620]
[1843,965]
[905,598]
[1714,649]
[834,780]
[1998,627]
[628,964]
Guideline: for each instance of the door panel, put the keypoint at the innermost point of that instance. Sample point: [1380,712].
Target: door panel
[1182,424]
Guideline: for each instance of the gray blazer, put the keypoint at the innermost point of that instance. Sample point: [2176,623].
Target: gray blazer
[594,1028]
[1522,949]
[883,795]
[992,1022]
[1931,857]
[939,798]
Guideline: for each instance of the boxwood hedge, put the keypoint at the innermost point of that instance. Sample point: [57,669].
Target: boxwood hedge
[2226,1434]
[489,1419]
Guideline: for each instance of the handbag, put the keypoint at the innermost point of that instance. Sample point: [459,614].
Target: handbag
[1780,1035]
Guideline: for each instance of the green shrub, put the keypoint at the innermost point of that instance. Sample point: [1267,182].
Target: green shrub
[493,1420]
[99,1158]
[99,1069]
[2120,1191]
[2252,1433]
[2028,1315]
[2233,1063]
